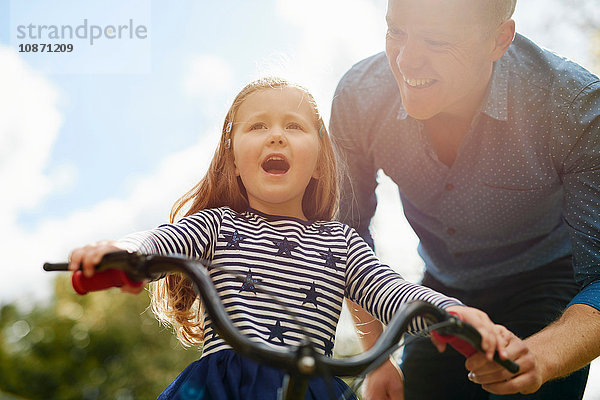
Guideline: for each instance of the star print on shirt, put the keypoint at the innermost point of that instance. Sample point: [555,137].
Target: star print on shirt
[284,247]
[234,240]
[249,283]
[330,259]
[241,217]
[323,229]
[277,331]
[328,346]
[311,295]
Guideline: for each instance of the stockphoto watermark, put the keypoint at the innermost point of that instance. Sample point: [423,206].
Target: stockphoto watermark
[74,36]
[90,32]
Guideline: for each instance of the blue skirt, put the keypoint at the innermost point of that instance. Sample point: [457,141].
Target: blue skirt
[225,375]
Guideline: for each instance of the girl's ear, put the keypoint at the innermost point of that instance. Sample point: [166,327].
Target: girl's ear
[236,169]
[316,173]
[229,146]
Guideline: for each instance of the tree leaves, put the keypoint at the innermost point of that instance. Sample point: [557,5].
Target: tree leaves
[105,345]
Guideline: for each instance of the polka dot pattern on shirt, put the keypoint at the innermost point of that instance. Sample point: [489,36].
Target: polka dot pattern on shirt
[524,189]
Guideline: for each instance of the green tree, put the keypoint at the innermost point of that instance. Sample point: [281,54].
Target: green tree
[105,345]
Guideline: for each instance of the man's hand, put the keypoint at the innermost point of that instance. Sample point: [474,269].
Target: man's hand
[561,348]
[385,383]
[495,379]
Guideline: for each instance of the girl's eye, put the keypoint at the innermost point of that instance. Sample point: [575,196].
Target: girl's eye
[294,125]
[258,125]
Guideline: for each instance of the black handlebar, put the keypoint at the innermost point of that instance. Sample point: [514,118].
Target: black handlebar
[123,268]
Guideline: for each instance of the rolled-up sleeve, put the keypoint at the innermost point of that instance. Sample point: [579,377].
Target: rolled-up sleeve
[581,182]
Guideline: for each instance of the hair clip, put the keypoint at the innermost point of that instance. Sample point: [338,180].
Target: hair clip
[321,130]
[228,132]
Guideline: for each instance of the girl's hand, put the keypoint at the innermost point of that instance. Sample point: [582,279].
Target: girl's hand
[385,383]
[87,258]
[493,337]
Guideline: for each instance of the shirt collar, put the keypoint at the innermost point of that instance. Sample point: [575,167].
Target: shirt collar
[402,114]
[496,104]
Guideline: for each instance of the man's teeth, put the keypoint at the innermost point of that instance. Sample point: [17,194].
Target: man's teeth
[417,82]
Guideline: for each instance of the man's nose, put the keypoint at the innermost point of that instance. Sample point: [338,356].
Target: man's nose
[410,55]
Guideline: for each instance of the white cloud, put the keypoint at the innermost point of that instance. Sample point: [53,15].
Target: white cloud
[209,82]
[146,206]
[334,34]
[30,122]
[207,75]
[29,125]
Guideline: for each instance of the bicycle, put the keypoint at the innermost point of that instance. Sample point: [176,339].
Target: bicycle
[299,362]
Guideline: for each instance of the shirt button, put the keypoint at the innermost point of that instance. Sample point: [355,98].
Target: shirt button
[449,186]
[451,231]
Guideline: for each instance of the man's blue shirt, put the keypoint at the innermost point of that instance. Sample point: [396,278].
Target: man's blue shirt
[524,189]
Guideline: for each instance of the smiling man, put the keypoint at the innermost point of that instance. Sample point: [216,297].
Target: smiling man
[494,144]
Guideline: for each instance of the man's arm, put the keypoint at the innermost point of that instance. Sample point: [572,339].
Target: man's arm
[580,326]
[558,350]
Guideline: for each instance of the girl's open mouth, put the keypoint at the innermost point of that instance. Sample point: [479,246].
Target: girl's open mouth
[276,165]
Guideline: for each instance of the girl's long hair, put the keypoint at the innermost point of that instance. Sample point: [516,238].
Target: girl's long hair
[174,301]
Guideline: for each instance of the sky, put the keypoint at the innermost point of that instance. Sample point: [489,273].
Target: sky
[100,141]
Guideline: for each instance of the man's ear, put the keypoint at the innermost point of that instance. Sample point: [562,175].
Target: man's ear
[503,38]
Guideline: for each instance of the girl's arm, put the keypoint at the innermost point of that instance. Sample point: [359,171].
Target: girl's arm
[190,237]
[381,291]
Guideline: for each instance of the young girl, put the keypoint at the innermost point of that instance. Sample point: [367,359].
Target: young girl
[264,211]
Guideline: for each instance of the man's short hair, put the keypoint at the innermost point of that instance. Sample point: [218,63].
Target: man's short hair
[501,10]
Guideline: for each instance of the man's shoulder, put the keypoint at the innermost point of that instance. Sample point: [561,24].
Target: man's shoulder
[545,69]
[371,87]
[371,73]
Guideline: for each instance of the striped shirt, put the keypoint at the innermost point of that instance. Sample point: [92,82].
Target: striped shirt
[294,274]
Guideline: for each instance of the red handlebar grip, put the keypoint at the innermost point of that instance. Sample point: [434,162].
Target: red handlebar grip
[101,280]
[460,345]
